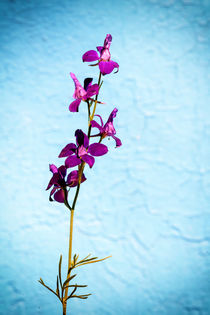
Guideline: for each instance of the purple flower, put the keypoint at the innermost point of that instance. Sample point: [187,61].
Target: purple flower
[82,152]
[59,183]
[106,65]
[72,179]
[107,129]
[81,93]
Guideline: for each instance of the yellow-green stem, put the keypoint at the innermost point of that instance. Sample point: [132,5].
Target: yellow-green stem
[69,259]
[94,109]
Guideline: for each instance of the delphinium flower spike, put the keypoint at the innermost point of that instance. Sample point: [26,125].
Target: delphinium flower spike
[78,155]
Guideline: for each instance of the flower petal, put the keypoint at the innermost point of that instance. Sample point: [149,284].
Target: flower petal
[74,106]
[77,84]
[72,161]
[76,81]
[81,138]
[92,90]
[112,115]
[99,48]
[106,67]
[102,123]
[97,149]
[87,83]
[59,196]
[90,55]
[94,124]
[69,149]
[52,192]
[62,170]
[53,180]
[109,129]
[53,168]
[107,41]
[88,159]
[118,141]
[72,179]
[115,64]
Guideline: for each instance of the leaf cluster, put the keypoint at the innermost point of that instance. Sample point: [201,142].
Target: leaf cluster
[62,286]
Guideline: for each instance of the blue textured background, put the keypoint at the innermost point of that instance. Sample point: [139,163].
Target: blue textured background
[146,203]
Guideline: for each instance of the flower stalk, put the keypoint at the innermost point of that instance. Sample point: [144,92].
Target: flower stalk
[69,259]
[94,109]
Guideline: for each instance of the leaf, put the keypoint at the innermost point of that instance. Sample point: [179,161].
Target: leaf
[74,258]
[42,282]
[70,269]
[84,258]
[76,285]
[91,262]
[84,296]
[71,294]
[74,290]
[89,259]
[59,270]
[57,290]
[101,84]
[68,279]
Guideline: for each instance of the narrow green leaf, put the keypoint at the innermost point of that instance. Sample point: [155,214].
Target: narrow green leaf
[74,259]
[74,290]
[93,258]
[101,84]
[70,269]
[41,281]
[92,262]
[76,285]
[49,289]
[68,279]
[84,258]
[59,270]
[57,290]
[85,296]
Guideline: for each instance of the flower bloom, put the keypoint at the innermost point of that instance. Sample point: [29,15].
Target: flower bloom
[82,152]
[107,129]
[59,183]
[82,94]
[106,65]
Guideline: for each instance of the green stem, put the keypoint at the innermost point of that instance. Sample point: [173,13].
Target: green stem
[80,172]
[88,104]
[94,109]
[69,258]
[66,199]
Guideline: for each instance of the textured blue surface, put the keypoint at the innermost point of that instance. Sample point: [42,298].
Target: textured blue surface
[146,203]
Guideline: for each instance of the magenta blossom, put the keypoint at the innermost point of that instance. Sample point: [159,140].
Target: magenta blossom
[59,183]
[107,129]
[83,152]
[82,94]
[106,65]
